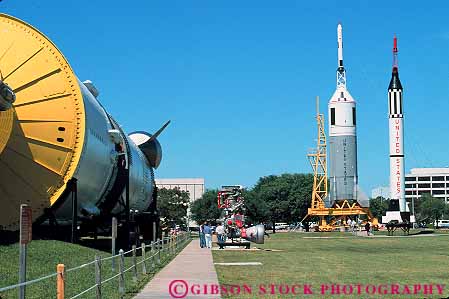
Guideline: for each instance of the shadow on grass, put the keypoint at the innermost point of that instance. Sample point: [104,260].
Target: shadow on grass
[422,232]
[416,233]
[267,249]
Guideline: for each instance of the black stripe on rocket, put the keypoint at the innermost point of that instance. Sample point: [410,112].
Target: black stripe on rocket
[395,103]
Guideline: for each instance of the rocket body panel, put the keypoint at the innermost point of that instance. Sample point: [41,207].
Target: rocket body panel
[94,183]
[397,182]
[341,95]
[396,137]
[342,119]
[343,168]
[396,132]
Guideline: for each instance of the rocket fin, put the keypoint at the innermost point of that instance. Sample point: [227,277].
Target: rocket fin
[155,135]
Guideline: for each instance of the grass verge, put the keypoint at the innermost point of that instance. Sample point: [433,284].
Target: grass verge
[44,255]
[339,261]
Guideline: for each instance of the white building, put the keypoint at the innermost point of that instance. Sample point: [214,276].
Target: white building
[195,187]
[380,191]
[427,180]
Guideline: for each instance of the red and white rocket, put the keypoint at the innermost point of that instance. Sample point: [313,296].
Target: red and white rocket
[396,119]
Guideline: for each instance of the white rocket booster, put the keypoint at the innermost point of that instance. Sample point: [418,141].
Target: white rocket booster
[396,120]
[342,136]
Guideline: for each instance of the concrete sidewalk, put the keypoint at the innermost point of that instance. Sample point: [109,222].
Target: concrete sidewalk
[193,268]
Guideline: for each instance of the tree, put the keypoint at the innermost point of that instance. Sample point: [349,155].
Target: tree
[431,209]
[206,208]
[256,209]
[378,206]
[172,205]
[287,197]
[300,195]
[273,195]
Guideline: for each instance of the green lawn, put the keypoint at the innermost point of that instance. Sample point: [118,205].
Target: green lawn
[43,256]
[342,261]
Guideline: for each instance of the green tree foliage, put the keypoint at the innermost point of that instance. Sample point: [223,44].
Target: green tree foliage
[431,209]
[282,198]
[378,206]
[300,195]
[172,205]
[287,197]
[256,210]
[205,208]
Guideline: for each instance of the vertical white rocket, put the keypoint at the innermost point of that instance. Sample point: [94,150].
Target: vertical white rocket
[342,137]
[396,119]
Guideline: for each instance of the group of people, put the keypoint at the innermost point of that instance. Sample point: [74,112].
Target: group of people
[354,225]
[206,235]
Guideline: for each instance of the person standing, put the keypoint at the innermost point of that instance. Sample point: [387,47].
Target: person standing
[367,228]
[353,227]
[220,233]
[207,235]
[202,237]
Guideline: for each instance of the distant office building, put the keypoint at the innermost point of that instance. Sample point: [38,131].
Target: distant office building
[380,191]
[427,180]
[195,187]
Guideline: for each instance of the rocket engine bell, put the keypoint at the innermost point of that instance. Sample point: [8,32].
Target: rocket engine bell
[256,234]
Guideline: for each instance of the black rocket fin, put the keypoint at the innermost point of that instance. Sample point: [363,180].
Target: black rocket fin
[155,135]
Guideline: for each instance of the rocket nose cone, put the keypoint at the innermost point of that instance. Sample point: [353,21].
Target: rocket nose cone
[339,27]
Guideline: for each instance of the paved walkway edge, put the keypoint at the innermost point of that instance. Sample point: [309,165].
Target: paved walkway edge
[193,266]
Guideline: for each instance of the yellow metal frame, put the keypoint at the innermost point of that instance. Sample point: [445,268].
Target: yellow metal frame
[340,212]
[317,160]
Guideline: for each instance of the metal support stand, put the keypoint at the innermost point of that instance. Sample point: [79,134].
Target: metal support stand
[127,218]
[74,191]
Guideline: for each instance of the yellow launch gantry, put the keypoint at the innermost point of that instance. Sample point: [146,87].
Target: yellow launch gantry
[339,213]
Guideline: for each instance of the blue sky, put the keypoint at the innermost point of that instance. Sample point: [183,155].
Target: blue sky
[238,79]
